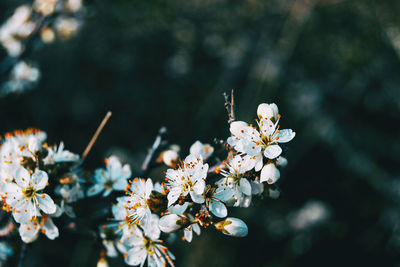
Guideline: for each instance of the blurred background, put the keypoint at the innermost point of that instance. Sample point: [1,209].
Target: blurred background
[333,68]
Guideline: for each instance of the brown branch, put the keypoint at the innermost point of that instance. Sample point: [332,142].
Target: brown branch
[96,135]
[229,105]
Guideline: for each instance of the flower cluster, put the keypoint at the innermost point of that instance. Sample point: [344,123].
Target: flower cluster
[36,182]
[48,19]
[196,192]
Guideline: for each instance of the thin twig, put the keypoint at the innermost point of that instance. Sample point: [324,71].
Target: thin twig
[153,148]
[229,105]
[96,135]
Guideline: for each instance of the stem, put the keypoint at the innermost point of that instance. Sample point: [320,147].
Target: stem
[153,148]
[96,135]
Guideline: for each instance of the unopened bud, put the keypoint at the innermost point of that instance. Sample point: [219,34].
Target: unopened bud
[232,227]
[172,222]
[270,173]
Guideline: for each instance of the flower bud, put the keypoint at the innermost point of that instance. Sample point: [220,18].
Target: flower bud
[281,162]
[170,158]
[102,262]
[172,222]
[233,227]
[270,173]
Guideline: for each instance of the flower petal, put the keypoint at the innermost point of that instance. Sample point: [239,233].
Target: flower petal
[270,173]
[272,151]
[173,195]
[218,208]
[136,255]
[50,228]
[245,186]
[169,223]
[188,234]
[223,193]
[286,135]
[39,180]
[28,232]
[197,198]
[236,127]
[22,177]
[149,188]
[46,204]
[95,189]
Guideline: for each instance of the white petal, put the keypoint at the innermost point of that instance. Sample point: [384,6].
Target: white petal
[218,208]
[114,166]
[126,172]
[196,148]
[286,135]
[51,230]
[267,111]
[95,189]
[120,184]
[251,148]
[107,192]
[196,229]
[267,127]
[39,180]
[223,193]
[188,234]
[236,127]
[169,223]
[199,187]
[173,195]
[259,162]
[28,232]
[256,187]
[136,256]
[46,204]
[22,177]
[196,197]
[270,173]
[245,186]
[149,188]
[178,209]
[272,151]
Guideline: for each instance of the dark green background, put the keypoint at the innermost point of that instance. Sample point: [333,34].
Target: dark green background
[333,68]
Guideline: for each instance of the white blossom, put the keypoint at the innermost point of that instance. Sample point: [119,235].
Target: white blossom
[187,179]
[114,177]
[24,196]
[199,149]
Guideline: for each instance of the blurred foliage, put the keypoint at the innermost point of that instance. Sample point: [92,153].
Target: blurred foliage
[331,66]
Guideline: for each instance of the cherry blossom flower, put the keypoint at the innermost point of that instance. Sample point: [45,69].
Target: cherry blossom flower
[114,177]
[137,202]
[145,245]
[24,195]
[187,179]
[262,141]
[235,178]
[58,154]
[199,149]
